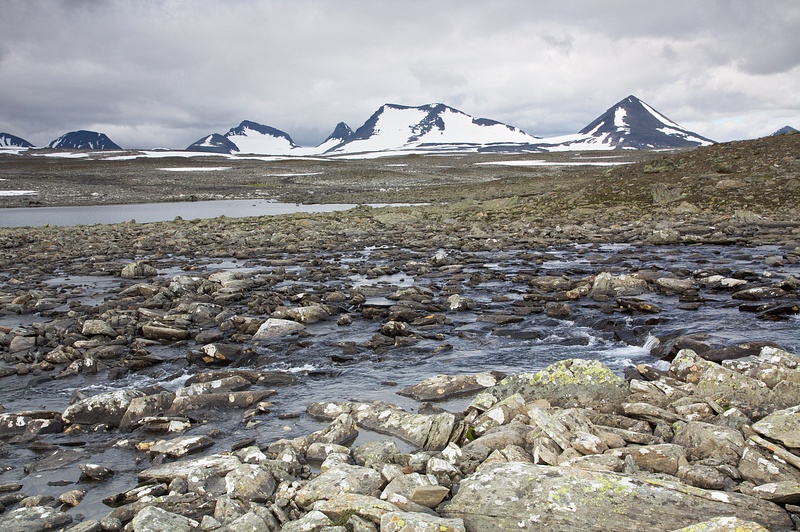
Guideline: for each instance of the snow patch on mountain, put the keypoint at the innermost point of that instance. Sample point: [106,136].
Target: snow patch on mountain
[7,140]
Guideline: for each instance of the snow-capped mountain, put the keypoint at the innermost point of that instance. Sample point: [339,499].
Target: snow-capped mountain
[629,124]
[247,138]
[7,140]
[84,140]
[428,127]
[341,133]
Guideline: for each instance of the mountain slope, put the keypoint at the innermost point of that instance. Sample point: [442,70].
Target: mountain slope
[7,140]
[629,124]
[84,140]
[785,130]
[432,126]
[214,143]
[341,133]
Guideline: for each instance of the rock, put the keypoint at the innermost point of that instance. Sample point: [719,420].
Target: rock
[138,270]
[223,385]
[250,482]
[515,496]
[499,414]
[704,440]
[416,522]
[161,332]
[375,454]
[621,285]
[71,497]
[457,303]
[444,387]
[555,309]
[393,329]
[785,492]
[108,408]
[98,327]
[312,521]
[762,467]
[732,389]
[308,315]
[154,519]
[424,431]
[671,285]
[341,479]
[568,383]
[187,403]
[145,406]
[214,465]
[659,458]
[702,476]
[782,426]
[16,423]
[761,292]
[277,328]
[179,447]
[341,505]
[219,353]
[95,472]
[34,518]
[724,524]
[249,522]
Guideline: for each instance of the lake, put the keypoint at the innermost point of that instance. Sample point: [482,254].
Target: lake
[154,212]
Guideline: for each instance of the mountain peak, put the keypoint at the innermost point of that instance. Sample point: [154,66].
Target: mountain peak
[84,140]
[785,130]
[7,140]
[632,123]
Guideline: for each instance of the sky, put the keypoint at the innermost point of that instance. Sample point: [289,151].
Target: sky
[165,73]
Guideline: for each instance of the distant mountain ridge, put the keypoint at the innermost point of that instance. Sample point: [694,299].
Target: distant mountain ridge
[785,130]
[84,140]
[430,128]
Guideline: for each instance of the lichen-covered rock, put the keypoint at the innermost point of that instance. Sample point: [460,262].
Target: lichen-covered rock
[181,446]
[618,285]
[343,478]
[250,482]
[154,519]
[138,270]
[340,505]
[762,467]
[108,408]
[215,464]
[567,383]
[515,496]
[724,524]
[417,522]
[659,458]
[782,426]
[704,440]
[732,389]
[276,328]
[310,522]
[28,519]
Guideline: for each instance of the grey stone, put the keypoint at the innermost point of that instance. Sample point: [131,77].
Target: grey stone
[108,408]
[514,496]
[155,519]
[704,440]
[250,482]
[276,328]
[342,479]
[782,426]
[34,518]
[415,522]
[444,387]
[311,522]
[181,446]
[98,327]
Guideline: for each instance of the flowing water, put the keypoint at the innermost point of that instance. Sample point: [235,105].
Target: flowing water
[332,362]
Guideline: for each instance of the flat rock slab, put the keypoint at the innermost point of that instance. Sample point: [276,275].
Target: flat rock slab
[216,464]
[443,387]
[519,496]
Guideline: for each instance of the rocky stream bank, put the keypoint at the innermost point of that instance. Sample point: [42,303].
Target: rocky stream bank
[570,361]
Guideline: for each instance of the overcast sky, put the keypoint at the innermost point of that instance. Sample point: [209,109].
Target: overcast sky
[166,73]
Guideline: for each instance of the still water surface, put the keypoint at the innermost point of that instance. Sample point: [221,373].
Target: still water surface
[153,212]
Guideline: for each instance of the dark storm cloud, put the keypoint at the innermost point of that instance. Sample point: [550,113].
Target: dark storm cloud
[169,72]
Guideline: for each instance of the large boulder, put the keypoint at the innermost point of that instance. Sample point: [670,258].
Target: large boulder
[108,408]
[567,383]
[519,496]
[782,426]
[344,478]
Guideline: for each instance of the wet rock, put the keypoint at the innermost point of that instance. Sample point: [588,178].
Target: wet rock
[34,518]
[179,447]
[108,408]
[393,329]
[219,353]
[138,270]
[72,497]
[16,423]
[761,292]
[672,285]
[416,522]
[607,284]
[95,472]
[232,383]
[457,303]
[214,465]
[162,332]
[557,310]
[142,407]
[514,495]
[277,328]
[187,403]
[98,327]
[444,387]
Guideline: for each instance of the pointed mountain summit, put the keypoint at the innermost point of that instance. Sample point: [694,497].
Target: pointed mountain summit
[430,127]
[7,140]
[341,133]
[785,130]
[630,124]
[248,137]
[83,140]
